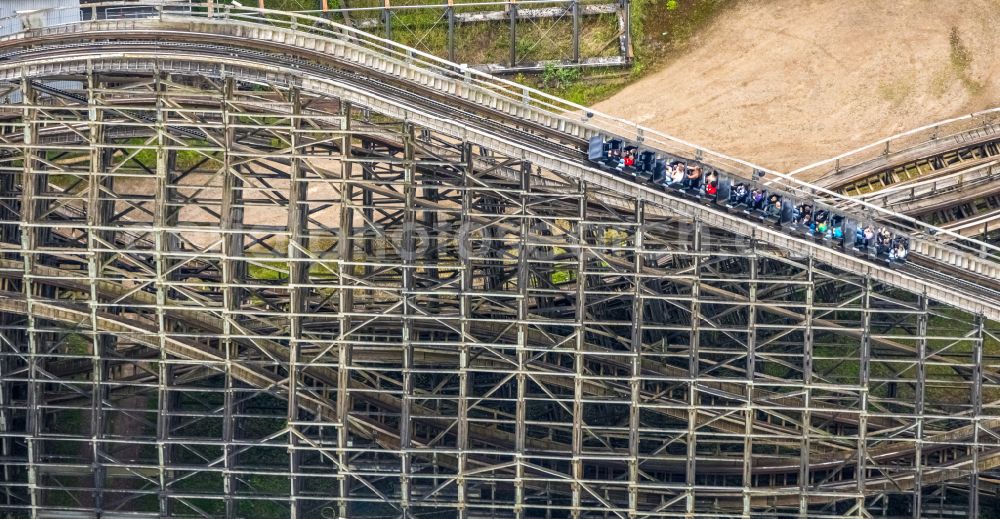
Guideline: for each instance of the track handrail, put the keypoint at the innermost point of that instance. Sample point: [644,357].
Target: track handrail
[591,121]
[928,133]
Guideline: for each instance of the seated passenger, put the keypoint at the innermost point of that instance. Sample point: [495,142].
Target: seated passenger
[901,250]
[613,155]
[738,195]
[882,241]
[837,233]
[629,159]
[803,213]
[869,235]
[757,199]
[677,177]
[712,188]
[822,228]
[836,226]
[773,207]
[693,178]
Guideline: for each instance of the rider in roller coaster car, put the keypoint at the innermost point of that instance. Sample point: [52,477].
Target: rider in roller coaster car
[739,195]
[899,249]
[696,180]
[757,199]
[867,235]
[820,223]
[711,187]
[773,207]
[693,178]
[629,158]
[802,214]
[837,228]
[678,173]
[882,241]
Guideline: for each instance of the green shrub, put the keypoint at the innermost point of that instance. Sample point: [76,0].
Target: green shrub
[559,77]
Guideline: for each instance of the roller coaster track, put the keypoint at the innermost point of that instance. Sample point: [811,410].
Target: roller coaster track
[528,128]
[946,173]
[489,131]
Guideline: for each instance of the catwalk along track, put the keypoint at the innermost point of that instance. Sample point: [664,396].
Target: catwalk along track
[257,264]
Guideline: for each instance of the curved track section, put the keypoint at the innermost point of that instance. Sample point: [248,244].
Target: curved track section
[544,137]
[311,279]
[947,174]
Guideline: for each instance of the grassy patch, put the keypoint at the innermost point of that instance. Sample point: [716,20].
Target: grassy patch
[896,91]
[660,28]
[76,344]
[290,5]
[268,270]
[594,88]
[186,159]
[276,486]
[65,181]
[69,422]
[961,60]
[661,31]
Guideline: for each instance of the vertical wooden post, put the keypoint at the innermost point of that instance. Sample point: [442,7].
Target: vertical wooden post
[627,19]
[575,6]
[387,19]
[976,401]
[451,30]
[920,391]
[345,250]
[512,10]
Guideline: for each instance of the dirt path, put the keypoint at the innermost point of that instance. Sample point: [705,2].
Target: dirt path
[785,83]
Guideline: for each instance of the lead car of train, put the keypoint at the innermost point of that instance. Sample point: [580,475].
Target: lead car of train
[749,198]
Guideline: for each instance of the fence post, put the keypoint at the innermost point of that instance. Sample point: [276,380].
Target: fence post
[575,6]
[627,19]
[451,30]
[512,10]
[387,19]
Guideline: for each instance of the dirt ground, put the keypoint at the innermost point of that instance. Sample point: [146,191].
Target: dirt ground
[785,83]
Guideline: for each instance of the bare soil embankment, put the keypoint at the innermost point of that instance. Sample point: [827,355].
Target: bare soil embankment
[785,83]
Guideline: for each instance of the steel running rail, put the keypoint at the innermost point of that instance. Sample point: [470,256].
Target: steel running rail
[661,199]
[965,260]
[552,111]
[916,143]
[978,301]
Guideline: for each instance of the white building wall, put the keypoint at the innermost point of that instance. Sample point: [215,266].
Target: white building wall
[15,15]
[12,23]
